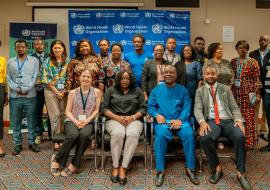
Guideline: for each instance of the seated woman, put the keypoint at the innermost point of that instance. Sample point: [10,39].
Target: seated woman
[82,107]
[124,105]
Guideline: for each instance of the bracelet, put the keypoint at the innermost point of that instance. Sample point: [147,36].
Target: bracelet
[134,117]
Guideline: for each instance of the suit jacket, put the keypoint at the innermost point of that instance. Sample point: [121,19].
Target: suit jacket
[201,107]
[149,75]
[262,64]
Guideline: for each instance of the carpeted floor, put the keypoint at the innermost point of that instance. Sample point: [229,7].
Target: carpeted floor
[32,171]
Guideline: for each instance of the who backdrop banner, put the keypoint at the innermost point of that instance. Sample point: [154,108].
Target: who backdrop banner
[121,25]
[30,31]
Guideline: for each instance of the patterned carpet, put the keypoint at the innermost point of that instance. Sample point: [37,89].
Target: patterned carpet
[32,171]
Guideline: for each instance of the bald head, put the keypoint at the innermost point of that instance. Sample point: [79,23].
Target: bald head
[264,41]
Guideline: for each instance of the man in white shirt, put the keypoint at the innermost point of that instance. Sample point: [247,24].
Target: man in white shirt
[217,113]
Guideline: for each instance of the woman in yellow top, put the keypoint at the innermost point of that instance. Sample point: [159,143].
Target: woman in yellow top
[3,101]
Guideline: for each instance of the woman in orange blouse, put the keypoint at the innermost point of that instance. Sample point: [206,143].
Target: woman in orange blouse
[3,101]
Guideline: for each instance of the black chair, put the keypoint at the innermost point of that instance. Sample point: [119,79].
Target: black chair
[105,138]
[60,137]
[222,139]
[175,139]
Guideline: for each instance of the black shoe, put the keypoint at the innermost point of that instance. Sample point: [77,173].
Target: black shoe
[114,179]
[34,148]
[215,177]
[159,179]
[2,155]
[122,181]
[265,148]
[17,149]
[192,177]
[244,182]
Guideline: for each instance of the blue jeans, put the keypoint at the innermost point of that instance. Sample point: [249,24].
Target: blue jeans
[162,137]
[17,105]
[266,101]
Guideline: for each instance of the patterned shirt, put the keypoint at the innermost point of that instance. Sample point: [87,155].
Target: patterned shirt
[55,74]
[108,73]
[75,68]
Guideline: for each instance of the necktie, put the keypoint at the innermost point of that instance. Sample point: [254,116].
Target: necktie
[40,60]
[217,119]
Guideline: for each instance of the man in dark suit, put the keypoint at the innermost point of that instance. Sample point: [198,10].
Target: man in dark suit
[262,56]
[41,55]
[217,113]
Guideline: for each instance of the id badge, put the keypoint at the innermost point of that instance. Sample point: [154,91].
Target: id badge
[211,112]
[60,86]
[18,80]
[237,82]
[82,117]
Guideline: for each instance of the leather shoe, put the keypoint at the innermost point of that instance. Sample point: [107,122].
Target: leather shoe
[244,182]
[34,148]
[114,179]
[17,149]
[122,181]
[265,148]
[215,177]
[159,179]
[192,177]
[2,155]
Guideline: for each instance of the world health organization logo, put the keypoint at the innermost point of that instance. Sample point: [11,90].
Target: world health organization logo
[148,42]
[74,43]
[73,15]
[118,28]
[78,29]
[147,14]
[172,15]
[26,32]
[98,15]
[157,28]
[123,42]
[123,15]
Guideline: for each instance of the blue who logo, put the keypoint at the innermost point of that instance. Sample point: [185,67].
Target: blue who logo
[118,28]
[157,28]
[78,29]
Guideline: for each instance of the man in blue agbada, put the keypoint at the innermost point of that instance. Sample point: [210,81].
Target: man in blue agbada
[170,105]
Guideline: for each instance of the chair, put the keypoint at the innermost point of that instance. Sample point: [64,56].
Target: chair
[60,137]
[105,138]
[221,139]
[170,154]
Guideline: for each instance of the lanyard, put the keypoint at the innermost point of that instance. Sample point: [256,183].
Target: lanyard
[84,100]
[240,67]
[20,66]
[168,58]
[213,95]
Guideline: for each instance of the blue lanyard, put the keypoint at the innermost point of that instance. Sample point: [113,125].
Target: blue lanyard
[240,67]
[20,66]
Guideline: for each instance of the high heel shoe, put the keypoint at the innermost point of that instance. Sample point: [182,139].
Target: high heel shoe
[114,178]
[122,181]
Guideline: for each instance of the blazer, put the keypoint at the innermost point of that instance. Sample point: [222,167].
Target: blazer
[149,75]
[201,107]
[262,64]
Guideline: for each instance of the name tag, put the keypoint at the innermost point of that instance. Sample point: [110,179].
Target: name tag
[211,112]
[237,82]
[60,86]
[82,117]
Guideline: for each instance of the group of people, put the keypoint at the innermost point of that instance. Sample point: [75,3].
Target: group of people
[185,93]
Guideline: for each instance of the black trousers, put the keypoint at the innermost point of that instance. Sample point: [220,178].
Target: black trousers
[2,102]
[227,129]
[74,136]
[39,122]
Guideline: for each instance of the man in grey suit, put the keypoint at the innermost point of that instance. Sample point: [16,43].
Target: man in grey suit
[217,113]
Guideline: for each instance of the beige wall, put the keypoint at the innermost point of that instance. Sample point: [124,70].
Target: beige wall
[249,23]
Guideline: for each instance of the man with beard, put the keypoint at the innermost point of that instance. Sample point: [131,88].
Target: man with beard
[262,56]
[169,103]
[22,72]
[41,56]
[217,113]
[199,45]
[169,53]
[138,57]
